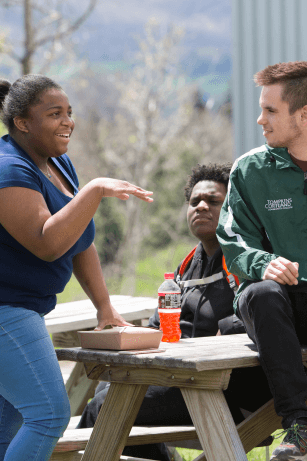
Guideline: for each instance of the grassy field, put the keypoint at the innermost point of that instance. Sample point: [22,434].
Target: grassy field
[150,273]
[257,454]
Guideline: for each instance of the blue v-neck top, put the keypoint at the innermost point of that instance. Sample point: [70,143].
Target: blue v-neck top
[26,280]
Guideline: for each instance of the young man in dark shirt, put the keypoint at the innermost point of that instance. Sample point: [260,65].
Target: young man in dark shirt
[207,310]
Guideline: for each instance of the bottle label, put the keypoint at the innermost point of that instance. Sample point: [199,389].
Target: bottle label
[170,301]
[169,311]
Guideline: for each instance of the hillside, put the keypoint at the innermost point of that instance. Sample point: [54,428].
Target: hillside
[108,38]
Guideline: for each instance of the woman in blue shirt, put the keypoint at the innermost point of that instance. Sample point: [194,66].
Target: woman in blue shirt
[46,233]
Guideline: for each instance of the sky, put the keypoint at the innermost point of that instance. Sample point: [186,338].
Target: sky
[114,24]
[109,36]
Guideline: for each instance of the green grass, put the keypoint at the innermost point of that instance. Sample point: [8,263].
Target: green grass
[257,454]
[150,270]
[3,129]
[188,455]
[149,274]
[72,292]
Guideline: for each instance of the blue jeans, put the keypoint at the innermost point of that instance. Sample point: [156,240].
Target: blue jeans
[34,407]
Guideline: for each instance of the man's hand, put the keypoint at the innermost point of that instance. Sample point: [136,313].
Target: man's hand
[283,271]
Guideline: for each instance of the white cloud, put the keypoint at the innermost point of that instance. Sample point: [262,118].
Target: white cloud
[166,11]
[202,22]
[134,11]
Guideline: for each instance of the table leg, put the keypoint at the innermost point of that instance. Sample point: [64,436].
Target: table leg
[79,389]
[114,422]
[214,425]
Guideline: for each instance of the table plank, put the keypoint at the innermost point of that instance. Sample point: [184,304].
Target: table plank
[199,354]
[214,425]
[209,353]
[256,427]
[77,439]
[114,422]
[79,389]
[80,315]
[214,379]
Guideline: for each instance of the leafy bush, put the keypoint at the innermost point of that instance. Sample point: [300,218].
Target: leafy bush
[109,230]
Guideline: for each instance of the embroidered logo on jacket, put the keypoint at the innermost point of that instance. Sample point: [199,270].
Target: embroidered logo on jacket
[280,204]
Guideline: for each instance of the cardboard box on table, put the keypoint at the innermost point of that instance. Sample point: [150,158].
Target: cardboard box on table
[121,338]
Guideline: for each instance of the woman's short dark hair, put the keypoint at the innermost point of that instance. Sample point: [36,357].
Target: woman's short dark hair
[17,98]
[211,172]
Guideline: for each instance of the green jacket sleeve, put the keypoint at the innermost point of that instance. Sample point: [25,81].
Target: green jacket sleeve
[240,232]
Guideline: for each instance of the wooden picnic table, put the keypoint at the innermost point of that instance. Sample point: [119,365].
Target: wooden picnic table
[79,315]
[67,318]
[201,368]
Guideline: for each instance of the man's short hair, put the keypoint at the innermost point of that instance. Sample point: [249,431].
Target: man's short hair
[293,77]
[211,172]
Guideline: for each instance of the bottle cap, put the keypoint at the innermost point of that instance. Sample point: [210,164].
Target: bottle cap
[169,275]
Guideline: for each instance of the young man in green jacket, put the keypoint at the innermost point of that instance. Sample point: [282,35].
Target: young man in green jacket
[263,234]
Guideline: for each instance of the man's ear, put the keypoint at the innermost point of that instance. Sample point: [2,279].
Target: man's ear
[21,124]
[304,115]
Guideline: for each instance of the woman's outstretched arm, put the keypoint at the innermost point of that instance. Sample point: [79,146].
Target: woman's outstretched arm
[25,215]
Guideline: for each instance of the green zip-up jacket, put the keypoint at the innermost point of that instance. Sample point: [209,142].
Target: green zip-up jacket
[264,215]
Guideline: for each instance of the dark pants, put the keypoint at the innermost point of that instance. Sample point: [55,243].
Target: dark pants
[276,320]
[164,406]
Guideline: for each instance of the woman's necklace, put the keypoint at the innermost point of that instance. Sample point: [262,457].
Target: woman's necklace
[48,174]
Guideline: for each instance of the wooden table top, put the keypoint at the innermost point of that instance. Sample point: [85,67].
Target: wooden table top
[79,315]
[197,354]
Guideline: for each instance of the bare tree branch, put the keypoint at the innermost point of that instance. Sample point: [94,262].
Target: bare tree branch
[155,137]
[9,3]
[70,28]
[37,31]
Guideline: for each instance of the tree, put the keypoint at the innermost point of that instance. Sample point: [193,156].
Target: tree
[148,142]
[154,98]
[47,29]
[157,131]
[2,42]
[206,139]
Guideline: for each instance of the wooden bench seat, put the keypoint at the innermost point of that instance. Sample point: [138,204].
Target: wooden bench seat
[77,456]
[263,422]
[76,439]
[71,446]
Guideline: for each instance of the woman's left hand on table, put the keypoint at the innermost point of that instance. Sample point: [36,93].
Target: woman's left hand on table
[109,316]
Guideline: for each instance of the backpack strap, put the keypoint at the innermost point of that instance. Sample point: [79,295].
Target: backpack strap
[231,279]
[185,262]
[205,281]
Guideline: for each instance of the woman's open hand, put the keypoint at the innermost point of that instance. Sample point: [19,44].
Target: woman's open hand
[122,190]
[109,316]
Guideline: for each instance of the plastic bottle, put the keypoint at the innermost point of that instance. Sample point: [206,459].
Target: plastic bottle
[169,308]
